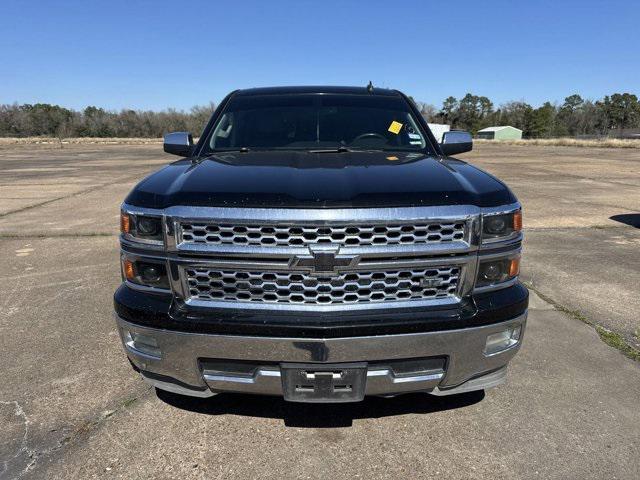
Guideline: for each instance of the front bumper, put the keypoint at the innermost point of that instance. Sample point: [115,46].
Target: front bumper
[202,364]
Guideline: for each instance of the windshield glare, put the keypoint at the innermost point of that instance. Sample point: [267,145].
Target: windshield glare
[306,122]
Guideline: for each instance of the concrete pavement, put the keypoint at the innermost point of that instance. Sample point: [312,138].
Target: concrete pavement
[582,222]
[71,407]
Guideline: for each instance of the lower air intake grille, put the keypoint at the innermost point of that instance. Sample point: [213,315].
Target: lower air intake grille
[304,289]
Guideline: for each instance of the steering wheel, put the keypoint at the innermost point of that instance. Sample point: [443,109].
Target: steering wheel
[369,135]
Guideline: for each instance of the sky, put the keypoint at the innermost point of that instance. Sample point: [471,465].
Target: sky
[155,54]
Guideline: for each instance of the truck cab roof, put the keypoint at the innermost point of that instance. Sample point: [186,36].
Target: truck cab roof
[314,89]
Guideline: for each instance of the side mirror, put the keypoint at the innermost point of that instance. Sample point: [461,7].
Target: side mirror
[456,141]
[178,143]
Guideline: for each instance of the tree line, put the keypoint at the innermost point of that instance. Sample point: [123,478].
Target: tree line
[43,119]
[575,117]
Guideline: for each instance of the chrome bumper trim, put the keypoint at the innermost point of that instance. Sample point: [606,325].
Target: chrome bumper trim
[489,380]
[174,388]
[463,348]
[484,382]
[269,382]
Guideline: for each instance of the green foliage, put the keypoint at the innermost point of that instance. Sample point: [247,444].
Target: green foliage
[471,112]
[52,120]
[541,121]
[621,110]
[574,117]
[616,340]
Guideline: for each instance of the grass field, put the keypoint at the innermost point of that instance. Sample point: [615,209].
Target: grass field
[16,141]
[567,142]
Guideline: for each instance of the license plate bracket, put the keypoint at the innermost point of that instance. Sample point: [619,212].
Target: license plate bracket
[323,383]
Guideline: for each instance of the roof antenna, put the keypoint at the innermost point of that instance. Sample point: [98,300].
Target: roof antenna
[370,87]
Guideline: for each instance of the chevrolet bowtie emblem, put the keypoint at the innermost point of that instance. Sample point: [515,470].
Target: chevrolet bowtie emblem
[323,261]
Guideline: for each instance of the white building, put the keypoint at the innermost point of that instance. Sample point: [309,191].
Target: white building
[500,133]
[438,130]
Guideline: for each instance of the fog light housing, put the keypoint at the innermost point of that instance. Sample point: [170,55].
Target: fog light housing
[142,343]
[145,272]
[501,341]
[150,273]
[496,271]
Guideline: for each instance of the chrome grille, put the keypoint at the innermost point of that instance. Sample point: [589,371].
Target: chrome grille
[292,287]
[342,235]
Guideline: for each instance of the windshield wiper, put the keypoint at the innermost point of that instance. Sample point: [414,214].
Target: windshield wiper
[216,152]
[226,150]
[332,150]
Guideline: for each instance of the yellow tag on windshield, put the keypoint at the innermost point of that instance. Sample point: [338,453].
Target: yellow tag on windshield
[395,127]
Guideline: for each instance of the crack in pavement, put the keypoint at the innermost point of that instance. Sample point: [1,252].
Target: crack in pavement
[592,204]
[578,177]
[574,227]
[58,271]
[19,412]
[624,347]
[33,456]
[47,202]
[64,197]
[12,236]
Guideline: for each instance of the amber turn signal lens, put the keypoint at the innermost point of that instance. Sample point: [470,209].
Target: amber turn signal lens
[514,267]
[125,222]
[127,266]
[517,221]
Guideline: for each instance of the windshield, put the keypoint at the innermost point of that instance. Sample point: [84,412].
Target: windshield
[316,122]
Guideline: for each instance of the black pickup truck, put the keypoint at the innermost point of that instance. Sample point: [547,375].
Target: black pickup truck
[319,244]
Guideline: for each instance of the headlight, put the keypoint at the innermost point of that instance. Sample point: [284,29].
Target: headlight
[141,227]
[496,227]
[497,270]
[145,272]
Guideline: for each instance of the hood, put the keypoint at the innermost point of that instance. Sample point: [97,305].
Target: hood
[320,180]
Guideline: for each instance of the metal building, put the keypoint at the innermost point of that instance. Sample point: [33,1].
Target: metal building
[438,129]
[500,133]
